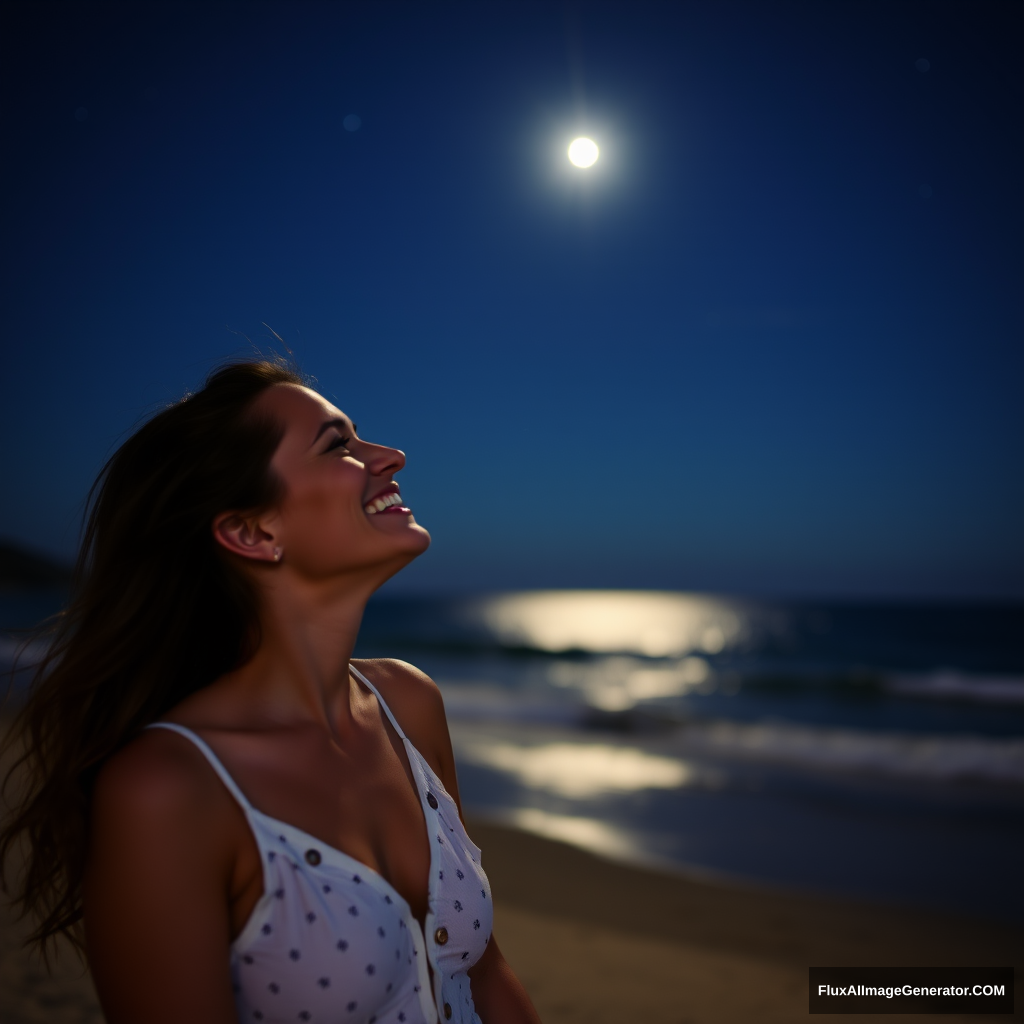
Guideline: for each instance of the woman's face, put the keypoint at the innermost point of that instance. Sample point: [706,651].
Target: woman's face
[341,513]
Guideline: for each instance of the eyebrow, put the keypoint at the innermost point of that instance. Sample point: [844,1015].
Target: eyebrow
[338,424]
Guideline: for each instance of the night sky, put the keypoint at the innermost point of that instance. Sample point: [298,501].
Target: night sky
[772,342]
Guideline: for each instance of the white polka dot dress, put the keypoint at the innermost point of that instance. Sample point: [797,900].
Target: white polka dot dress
[330,941]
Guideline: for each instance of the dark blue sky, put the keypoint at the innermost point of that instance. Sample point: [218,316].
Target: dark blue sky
[771,342]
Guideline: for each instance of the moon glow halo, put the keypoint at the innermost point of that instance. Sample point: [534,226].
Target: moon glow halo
[583,152]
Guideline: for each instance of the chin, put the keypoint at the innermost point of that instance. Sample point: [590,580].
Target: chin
[413,542]
[421,536]
[410,553]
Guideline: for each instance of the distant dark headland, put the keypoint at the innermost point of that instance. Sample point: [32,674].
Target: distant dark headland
[27,570]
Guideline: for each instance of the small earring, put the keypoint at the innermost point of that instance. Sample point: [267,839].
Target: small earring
[277,554]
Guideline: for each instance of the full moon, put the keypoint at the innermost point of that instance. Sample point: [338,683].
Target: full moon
[583,152]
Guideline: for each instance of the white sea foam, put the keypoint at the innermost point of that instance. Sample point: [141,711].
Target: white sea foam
[938,758]
[950,685]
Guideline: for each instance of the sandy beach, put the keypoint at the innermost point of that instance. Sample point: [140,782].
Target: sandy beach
[600,942]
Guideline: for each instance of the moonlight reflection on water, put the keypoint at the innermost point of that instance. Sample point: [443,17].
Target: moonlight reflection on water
[649,623]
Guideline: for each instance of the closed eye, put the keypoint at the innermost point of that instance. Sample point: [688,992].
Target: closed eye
[338,442]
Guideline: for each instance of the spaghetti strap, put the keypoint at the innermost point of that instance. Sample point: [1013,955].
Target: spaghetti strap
[383,703]
[210,756]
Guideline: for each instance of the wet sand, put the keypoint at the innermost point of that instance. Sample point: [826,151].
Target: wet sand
[599,942]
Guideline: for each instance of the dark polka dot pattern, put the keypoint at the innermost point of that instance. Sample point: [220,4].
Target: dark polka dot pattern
[319,898]
[331,940]
[318,977]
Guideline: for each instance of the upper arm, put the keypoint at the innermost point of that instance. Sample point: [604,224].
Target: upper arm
[156,887]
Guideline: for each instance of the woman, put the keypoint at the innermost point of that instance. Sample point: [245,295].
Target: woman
[251,825]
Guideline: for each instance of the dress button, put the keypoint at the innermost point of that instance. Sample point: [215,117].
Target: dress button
[313,857]
[447,1011]
[441,936]
[432,800]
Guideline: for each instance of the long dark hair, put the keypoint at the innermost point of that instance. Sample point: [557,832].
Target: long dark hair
[156,612]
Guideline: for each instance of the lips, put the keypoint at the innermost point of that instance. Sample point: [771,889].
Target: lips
[383,502]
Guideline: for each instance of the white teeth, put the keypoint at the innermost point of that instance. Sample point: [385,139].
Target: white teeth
[379,504]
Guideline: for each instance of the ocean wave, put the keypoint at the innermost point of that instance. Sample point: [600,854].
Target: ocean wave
[485,702]
[560,758]
[934,758]
[949,685]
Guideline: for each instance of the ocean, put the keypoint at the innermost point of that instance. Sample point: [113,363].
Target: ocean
[866,750]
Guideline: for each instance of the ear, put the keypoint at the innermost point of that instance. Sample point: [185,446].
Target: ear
[245,535]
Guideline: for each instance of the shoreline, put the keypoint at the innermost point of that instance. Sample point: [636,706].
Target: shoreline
[598,941]
[538,874]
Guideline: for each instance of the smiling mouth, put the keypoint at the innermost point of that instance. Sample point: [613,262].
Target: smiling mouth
[385,503]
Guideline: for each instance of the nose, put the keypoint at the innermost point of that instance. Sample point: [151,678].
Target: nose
[383,461]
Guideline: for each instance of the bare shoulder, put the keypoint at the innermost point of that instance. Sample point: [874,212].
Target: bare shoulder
[407,689]
[155,785]
[154,765]
[415,700]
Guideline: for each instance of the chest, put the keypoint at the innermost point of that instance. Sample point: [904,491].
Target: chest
[328,935]
[361,799]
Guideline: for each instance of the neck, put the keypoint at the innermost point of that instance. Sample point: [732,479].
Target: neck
[300,671]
